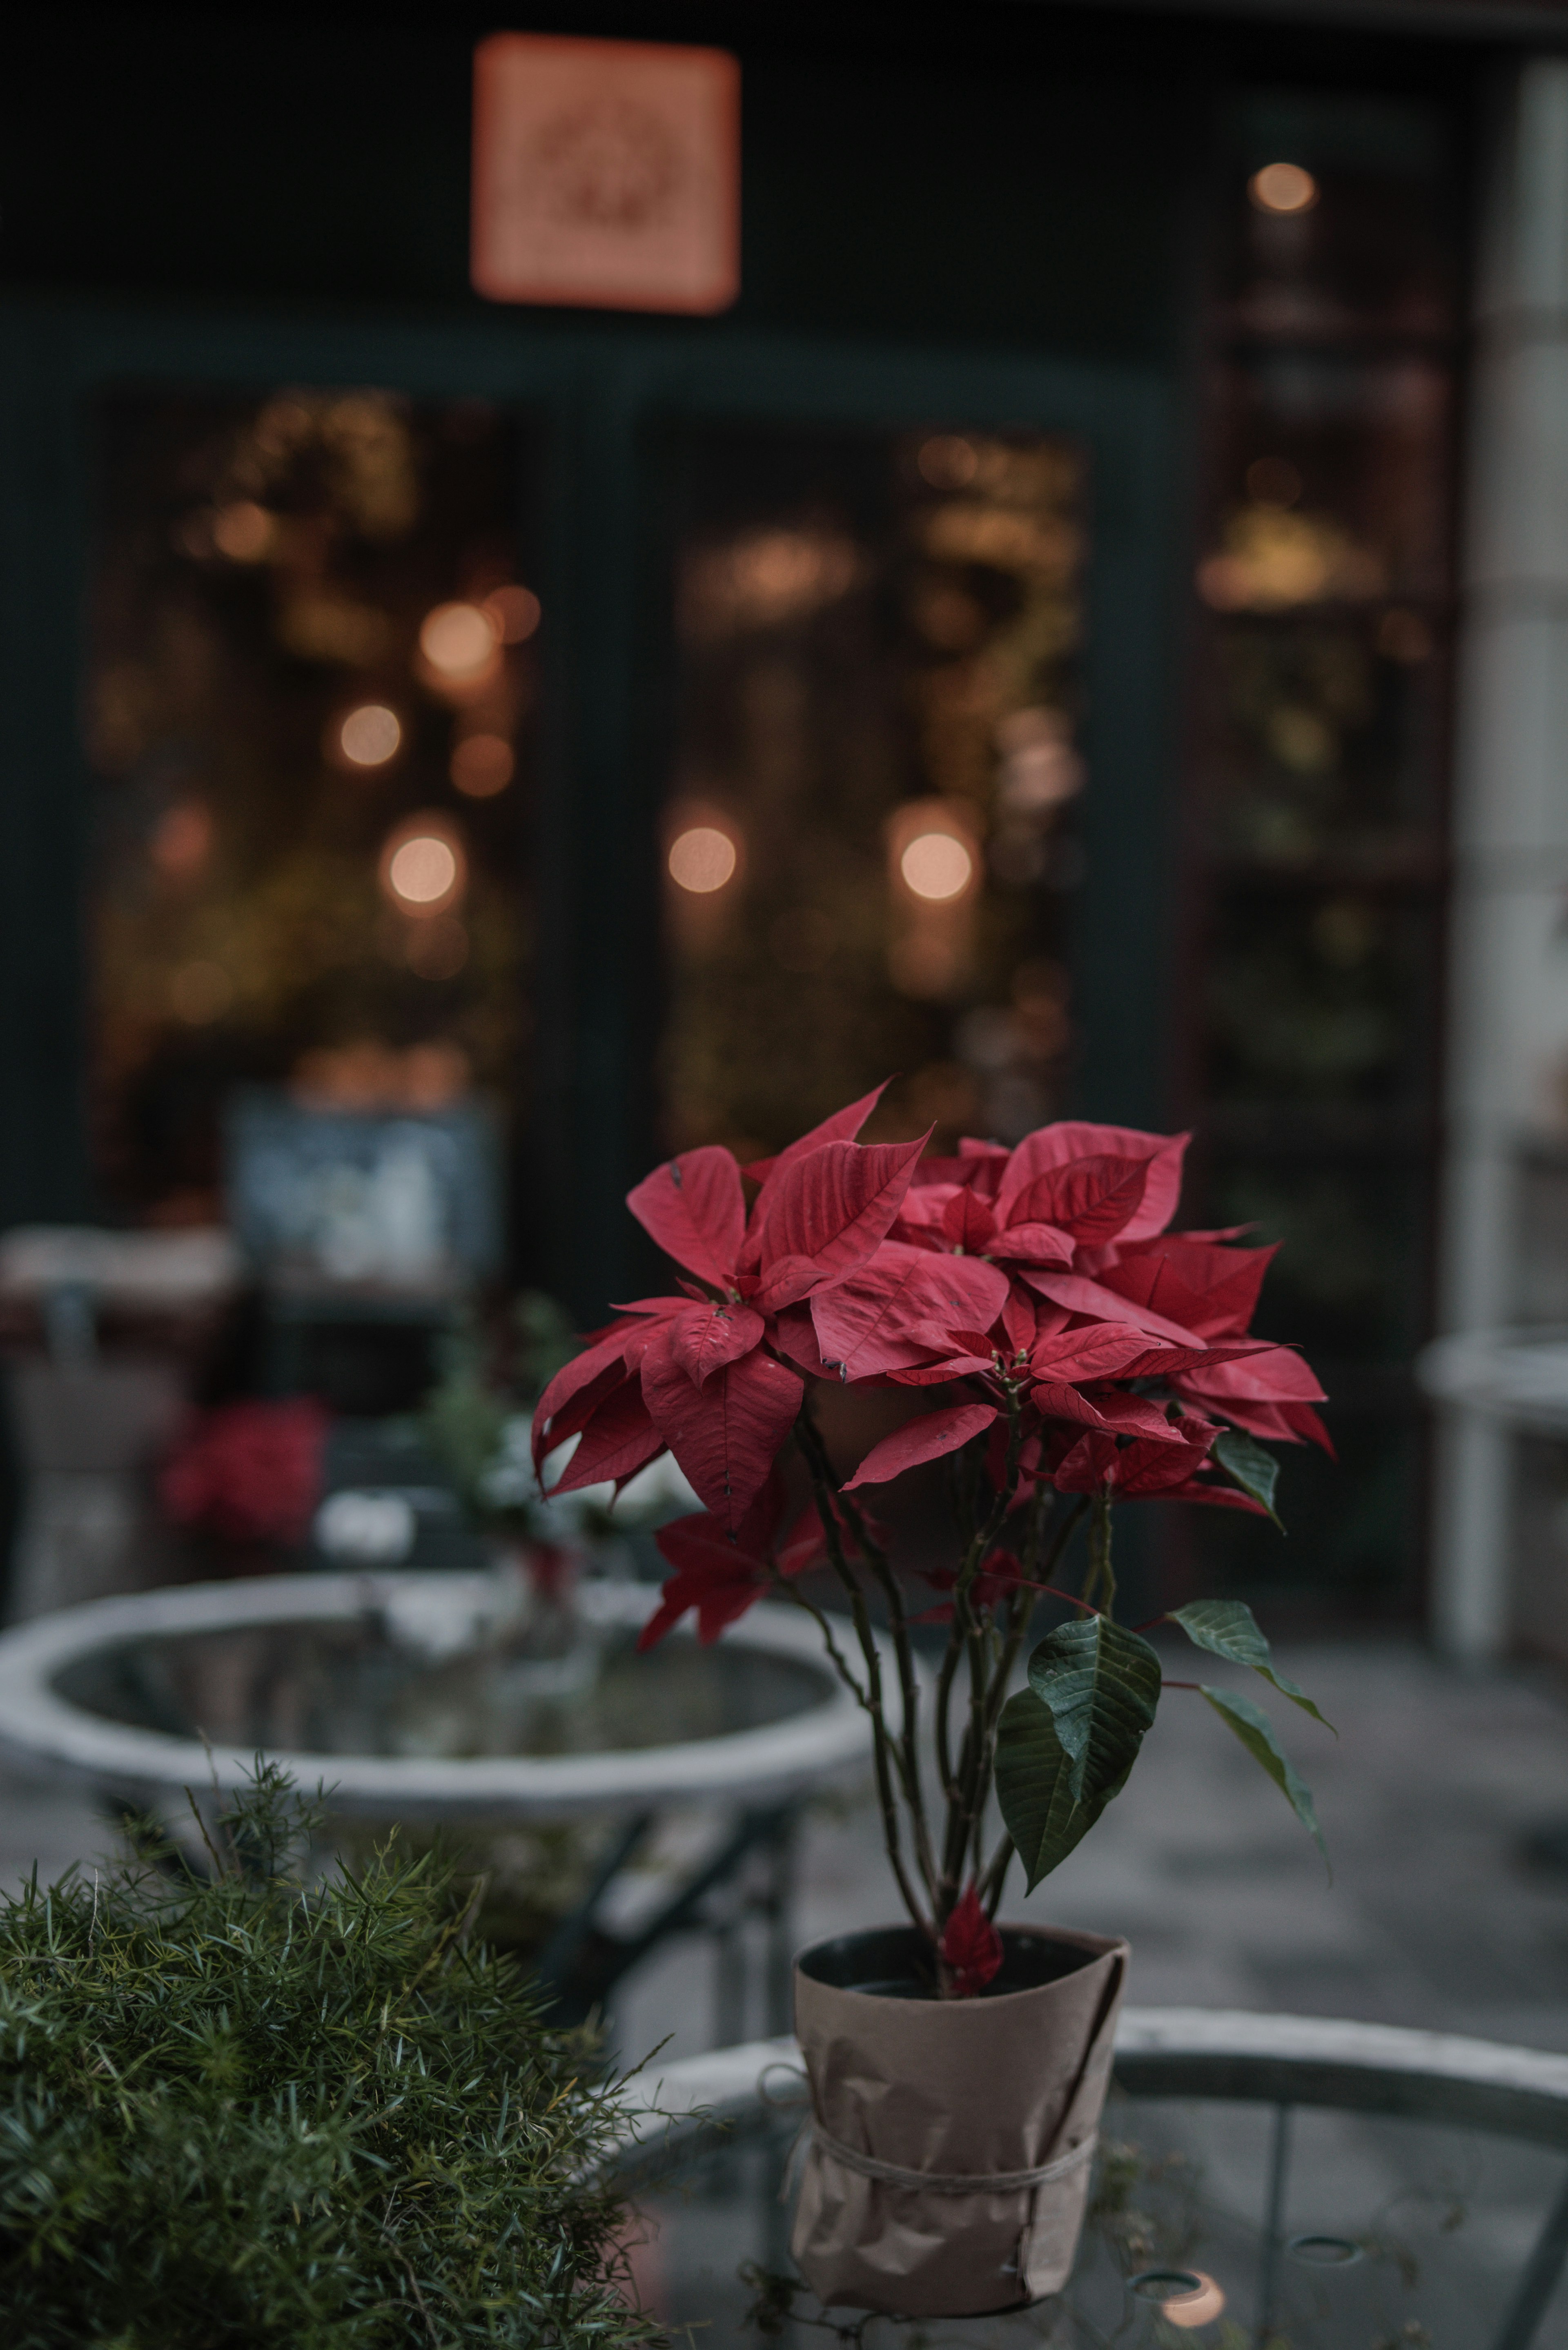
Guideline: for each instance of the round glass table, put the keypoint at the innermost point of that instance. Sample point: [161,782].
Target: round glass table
[1275,2181]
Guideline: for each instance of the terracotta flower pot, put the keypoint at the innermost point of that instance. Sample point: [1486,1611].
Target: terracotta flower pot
[951,2140]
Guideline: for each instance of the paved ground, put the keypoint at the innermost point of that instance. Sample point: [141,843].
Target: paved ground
[1435,1916]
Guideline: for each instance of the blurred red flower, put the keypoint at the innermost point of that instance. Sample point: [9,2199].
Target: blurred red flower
[250,1472]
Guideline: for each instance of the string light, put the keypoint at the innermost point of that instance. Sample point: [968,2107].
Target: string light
[370,735]
[702,859]
[936,866]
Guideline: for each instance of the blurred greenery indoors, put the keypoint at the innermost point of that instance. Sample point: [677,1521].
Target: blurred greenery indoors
[244,2109]
[490,1380]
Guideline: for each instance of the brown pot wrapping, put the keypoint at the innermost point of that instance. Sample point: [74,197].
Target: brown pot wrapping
[969,2094]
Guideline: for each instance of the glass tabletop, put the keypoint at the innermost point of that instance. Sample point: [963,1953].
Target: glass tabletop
[1388,2234]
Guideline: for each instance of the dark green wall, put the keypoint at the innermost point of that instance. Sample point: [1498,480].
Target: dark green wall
[1008,199]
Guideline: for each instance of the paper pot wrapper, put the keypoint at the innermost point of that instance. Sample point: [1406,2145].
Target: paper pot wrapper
[968,2093]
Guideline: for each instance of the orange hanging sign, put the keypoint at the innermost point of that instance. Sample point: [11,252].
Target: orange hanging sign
[605,175]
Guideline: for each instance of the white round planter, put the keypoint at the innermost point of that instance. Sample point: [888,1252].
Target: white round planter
[439,1614]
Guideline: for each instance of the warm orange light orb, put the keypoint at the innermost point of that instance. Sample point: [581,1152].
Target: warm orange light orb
[482,765]
[515,613]
[423,867]
[459,640]
[1283,188]
[243,532]
[702,859]
[936,866]
[370,735]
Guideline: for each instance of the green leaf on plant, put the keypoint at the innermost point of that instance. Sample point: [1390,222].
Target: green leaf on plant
[1256,1733]
[1228,1629]
[1251,1465]
[1037,1803]
[1101,1685]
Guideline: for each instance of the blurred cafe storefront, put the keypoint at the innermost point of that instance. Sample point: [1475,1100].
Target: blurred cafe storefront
[798,546]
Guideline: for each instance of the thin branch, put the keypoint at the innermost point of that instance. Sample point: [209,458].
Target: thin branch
[909,1678]
[882,1742]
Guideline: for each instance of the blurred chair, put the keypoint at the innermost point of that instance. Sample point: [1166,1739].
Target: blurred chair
[103,1333]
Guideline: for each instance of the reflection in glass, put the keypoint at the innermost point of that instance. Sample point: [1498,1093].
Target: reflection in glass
[870,835]
[1324,596]
[307,631]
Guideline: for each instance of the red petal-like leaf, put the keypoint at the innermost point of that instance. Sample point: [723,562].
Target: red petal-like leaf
[1218,1497]
[1094,1198]
[794,1335]
[694,1208]
[970,1946]
[871,1321]
[1211,1291]
[832,1208]
[608,1353]
[926,1439]
[970,1222]
[1270,1374]
[720,1590]
[700,1541]
[983,1165]
[707,1336]
[1070,1139]
[1139,1469]
[1104,1350]
[1018,1320]
[619,1440]
[842,1127]
[726,1434]
[1032,1244]
[1280,1423]
[1081,1295]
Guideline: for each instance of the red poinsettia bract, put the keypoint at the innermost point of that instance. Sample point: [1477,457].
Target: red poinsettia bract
[1036,1291]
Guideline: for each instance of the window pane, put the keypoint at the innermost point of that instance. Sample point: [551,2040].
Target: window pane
[870,835]
[309,719]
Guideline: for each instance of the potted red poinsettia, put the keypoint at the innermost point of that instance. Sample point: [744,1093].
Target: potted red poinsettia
[1064,1351]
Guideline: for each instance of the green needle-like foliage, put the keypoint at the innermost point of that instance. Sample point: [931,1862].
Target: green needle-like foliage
[248,2111]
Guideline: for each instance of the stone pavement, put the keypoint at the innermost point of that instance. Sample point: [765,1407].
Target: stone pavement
[1435,1916]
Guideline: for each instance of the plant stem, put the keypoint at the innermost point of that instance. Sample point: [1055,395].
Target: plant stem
[1100,1586]
[909,1678]
[883,1746]
[966,1803]
[995,1876]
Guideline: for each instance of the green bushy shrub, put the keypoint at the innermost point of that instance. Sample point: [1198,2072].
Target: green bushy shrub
[246,2110]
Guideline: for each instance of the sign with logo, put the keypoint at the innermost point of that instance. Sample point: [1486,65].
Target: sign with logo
[605,175]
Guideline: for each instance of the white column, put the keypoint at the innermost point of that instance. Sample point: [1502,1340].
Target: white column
[1508,1033]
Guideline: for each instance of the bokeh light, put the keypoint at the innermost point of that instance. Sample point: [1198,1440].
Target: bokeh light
[482,765]
[948,461]
[459,640]
[936,866]
[1283,188]
[370,735]
[243,532]
[515,613]
[702,859]
[181,840]
[423,867]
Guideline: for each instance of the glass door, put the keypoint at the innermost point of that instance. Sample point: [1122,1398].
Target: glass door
[870,846]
